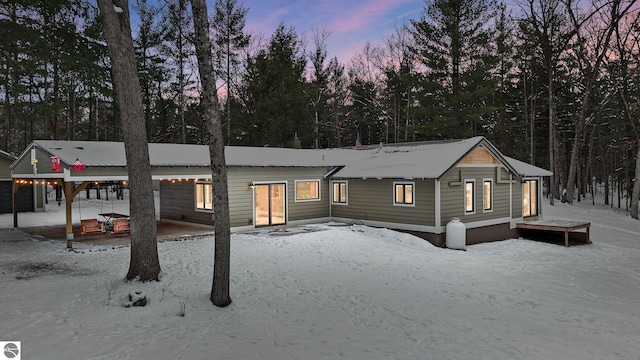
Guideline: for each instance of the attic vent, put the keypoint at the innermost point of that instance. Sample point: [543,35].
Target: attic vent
[480,155]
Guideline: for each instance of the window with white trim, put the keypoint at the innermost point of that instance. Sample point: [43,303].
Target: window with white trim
[307,190]
[339,193]
[487,195]
[469,197]
[204,197]
[403,193]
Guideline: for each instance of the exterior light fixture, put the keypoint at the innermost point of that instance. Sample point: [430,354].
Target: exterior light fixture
[77,166]
[54,161]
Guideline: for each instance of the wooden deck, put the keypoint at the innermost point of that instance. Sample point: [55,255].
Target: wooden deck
[565,226]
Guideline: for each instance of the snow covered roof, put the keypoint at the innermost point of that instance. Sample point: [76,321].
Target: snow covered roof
[96,153]
[7,155]
[523,169]
[427,160]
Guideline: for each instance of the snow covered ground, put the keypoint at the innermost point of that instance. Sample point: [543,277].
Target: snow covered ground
[328,291]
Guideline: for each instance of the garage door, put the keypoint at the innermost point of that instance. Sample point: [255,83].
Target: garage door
[25,198]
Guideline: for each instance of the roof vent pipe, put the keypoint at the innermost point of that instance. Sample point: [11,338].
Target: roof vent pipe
[296,142]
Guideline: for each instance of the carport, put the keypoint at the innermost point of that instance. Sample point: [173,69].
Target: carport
[74,165]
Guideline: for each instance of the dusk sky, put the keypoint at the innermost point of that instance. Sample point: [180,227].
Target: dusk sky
[351,22]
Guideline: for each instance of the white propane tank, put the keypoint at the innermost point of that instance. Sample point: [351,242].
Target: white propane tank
[456,235]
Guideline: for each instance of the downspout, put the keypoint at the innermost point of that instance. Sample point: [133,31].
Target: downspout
[438,220]
[511,222]
[330,199]
[539,196]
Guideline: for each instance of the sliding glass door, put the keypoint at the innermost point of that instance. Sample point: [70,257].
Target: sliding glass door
[530,198]
[270,204]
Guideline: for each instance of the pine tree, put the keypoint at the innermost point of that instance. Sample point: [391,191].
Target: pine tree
[229,38]
[454,40]
[176,27]
[148,45]
[275,105]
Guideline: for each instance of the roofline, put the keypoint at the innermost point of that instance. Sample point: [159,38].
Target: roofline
[7,155]
[401,144]
[333,173]
[22,154]
[34,144]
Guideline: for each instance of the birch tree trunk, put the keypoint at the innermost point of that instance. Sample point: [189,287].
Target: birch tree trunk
[209,101]
[144,264]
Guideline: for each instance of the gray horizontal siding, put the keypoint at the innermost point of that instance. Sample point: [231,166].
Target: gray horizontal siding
[241,196]
[517,198]
[177,202]
[24,165]
[177,199]
[452,196]
[5,172]
[373,200]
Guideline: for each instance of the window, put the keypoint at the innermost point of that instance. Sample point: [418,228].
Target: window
[403,194]
[469,196]
[307,190]
[339,192]
[530,198]
[487,195]
[204,197]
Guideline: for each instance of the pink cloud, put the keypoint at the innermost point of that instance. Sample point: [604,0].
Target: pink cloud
[367,15]
[351,23]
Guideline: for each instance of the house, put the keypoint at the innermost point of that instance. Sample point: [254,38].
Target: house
[25,198]
[421,187]
[416,187]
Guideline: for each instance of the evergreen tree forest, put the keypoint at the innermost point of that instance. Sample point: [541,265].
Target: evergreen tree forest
[552,82]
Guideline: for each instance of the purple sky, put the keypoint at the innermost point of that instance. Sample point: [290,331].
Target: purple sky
[351,22]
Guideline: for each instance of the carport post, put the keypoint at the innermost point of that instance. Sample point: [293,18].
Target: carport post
[69,194]
[68,198]
[14,200]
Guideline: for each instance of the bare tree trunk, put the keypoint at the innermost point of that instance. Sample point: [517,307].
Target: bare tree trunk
[553,188]
[635,195]
[222,252]
[144,264]
[228,103]
[590,72]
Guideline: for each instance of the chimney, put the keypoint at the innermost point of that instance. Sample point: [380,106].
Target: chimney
[296,142]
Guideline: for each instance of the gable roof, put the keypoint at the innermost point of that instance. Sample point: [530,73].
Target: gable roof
[112,154]
[7,155]
[524,169]
[427,160]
